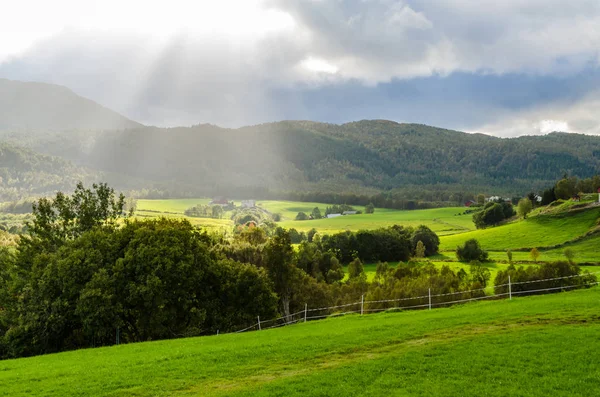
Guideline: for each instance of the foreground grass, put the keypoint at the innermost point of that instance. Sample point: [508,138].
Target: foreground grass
[519,347]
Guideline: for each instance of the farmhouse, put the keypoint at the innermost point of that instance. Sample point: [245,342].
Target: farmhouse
[333,215]
[469,203]
[349,213]
[219,201]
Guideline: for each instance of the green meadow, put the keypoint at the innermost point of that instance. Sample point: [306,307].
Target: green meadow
[550,229]
[493,348]
[442,220]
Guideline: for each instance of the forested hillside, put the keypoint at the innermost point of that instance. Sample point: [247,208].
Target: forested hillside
[365,157]
[277,160]
[24,173]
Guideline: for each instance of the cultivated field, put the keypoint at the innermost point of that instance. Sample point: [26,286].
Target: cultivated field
[494,348]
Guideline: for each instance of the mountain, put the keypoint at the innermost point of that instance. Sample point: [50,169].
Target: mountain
[25,173]
[364,157]
[276,159]
[40,106]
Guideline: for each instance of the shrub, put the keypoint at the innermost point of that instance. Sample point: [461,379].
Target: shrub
[301,216]
[471,251]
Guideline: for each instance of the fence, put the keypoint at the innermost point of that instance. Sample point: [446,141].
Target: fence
[429,301]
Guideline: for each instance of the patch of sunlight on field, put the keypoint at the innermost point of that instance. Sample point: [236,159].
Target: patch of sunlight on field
[443,221]
[538,231]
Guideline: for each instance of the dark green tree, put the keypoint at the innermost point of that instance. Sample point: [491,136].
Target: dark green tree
[301,216]
[429,239]
[279,262]
[471,251]
[316,213]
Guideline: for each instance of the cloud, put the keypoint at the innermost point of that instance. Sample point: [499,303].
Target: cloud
[507,67]
[580,117]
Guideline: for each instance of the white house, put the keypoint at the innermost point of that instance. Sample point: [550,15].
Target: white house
[333,215]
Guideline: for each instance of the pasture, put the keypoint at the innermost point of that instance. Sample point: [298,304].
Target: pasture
[550,229]
[441,220]
[493,348]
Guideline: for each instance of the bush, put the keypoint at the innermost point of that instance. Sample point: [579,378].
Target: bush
[301,216]
[471,251]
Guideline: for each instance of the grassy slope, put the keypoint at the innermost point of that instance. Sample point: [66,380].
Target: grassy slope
[537,231]
[499,348]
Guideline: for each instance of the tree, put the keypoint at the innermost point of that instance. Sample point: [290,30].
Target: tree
[316,213]
[548,196]
[420,250]
[279,261]
[532,197]
[311,233]
[509,255]
[471,251]
[492,214]
[570,255]
[480,199]
[370,208]
[430,240]
[301,216]
[524,207]
[565,188]
[67,217]
[535,254]
[355,269]
[217,211]
[479,274]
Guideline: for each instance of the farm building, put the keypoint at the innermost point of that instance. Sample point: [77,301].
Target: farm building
[349,213]
[469,203]
[219,201]
[333,215]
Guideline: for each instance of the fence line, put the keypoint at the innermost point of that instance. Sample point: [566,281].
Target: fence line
[289,320]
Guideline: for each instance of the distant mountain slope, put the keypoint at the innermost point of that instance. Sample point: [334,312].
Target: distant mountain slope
[360,157]
[25,173]
[364,157]
[25,105]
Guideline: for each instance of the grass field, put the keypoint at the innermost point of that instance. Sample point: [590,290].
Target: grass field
[442,220]
[537,231]
[546,227]
[534,346]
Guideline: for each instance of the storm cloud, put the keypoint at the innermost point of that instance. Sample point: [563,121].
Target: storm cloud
[507,68]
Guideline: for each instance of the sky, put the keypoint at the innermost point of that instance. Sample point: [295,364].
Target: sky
[506,68]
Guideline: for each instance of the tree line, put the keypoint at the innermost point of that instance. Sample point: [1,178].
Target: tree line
[87,274]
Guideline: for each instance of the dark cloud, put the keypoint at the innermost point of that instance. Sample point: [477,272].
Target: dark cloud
[457,64]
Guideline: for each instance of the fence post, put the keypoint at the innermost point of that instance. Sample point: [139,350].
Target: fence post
[259,323]
[429,298]
[217,332]
[509,289]
[305,311]
[362,304]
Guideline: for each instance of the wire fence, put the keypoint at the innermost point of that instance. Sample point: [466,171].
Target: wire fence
[429,301]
